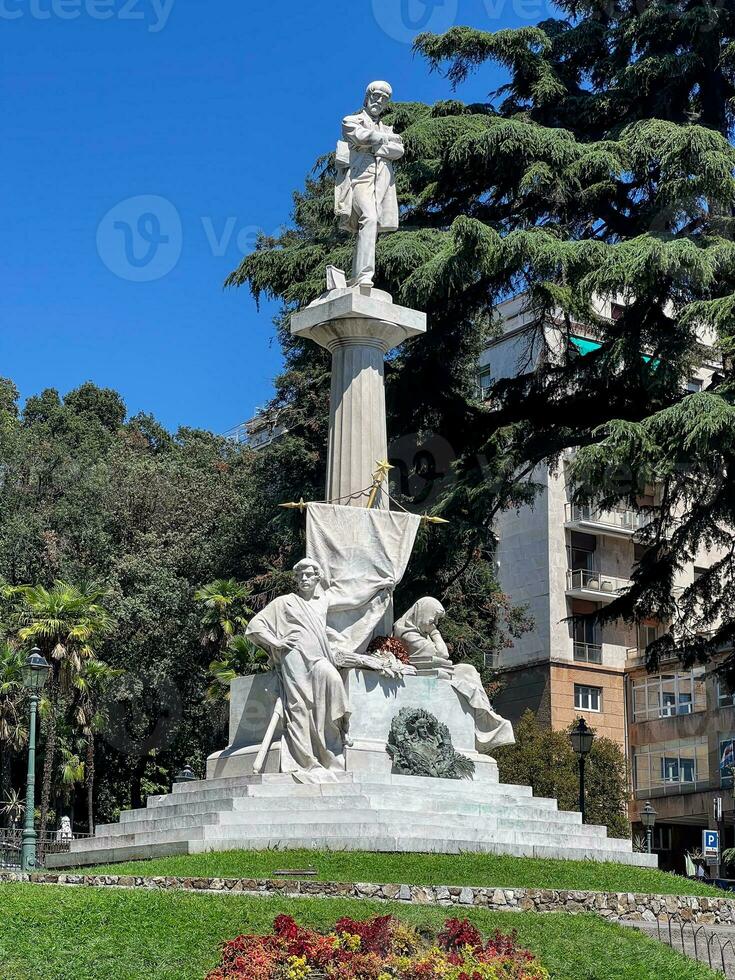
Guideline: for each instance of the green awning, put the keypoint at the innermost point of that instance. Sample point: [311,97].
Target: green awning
[585,346]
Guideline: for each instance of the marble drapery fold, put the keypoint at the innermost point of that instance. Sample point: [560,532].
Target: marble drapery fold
[316,709]
[364,555]
[491,730]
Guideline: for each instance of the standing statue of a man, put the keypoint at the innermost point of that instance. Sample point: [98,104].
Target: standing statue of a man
[365,196]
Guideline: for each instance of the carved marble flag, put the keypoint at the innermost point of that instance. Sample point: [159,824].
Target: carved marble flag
[363,554]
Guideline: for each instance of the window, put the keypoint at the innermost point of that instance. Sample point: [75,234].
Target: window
[699,572]
[485,381]
[667,695]
[727,760]
[581,551]
[677,770]
[646,635]
[694,385]
[725,698]
[616,311]
[662,838]
[587,698]
[676,766]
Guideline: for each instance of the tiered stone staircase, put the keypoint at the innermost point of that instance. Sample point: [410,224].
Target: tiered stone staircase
[359,812]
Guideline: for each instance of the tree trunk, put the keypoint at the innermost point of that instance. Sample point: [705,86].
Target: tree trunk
[48,767]
[89,781]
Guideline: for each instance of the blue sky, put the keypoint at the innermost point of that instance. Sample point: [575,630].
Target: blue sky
[145,142]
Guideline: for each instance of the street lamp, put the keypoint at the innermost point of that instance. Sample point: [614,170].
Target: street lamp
[35,673]
[648,819]
[581,736]
[187,775]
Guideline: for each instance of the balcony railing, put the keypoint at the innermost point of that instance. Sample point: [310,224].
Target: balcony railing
[617,519]
[588,653]
[588,580]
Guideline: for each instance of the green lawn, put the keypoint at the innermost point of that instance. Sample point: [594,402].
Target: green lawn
[421,869]
[50,933]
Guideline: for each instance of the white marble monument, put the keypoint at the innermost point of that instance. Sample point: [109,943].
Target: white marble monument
[307,763]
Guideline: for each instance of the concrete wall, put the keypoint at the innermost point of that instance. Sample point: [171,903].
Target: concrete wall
[512,355]
[560,645]
[523,565]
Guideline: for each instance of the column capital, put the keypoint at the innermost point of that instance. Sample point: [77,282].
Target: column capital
[357,316]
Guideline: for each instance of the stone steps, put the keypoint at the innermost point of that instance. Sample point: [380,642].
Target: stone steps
[362,810]
[397,844]
[379,796]
[380,812]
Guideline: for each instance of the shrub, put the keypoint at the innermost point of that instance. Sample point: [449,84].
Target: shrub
[382,948]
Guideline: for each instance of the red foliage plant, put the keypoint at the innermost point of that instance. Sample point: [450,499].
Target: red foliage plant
[458,933]
[382,948]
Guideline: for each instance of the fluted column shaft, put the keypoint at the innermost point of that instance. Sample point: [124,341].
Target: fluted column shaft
[357,426]
[358,326]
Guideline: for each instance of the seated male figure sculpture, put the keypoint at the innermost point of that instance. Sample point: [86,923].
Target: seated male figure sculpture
[293,631]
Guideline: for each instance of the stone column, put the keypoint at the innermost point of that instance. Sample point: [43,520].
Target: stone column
[358,327]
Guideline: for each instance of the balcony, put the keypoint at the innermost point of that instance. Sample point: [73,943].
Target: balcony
[585,583]
[616,523]
[587,653]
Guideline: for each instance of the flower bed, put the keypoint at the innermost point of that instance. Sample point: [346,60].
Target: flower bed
[382,948]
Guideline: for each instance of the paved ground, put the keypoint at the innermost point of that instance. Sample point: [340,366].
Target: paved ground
[694,942]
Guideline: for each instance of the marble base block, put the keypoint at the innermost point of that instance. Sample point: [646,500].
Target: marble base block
[375,701]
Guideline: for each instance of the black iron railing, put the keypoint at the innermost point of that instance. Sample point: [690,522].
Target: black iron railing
[11,840]
[698,942]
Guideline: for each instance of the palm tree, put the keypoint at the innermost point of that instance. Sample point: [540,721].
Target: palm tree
[13,807]
[91,683]
[225,611]
[13,726]
[223,622]
[239,657]
[66,622]
[70,769]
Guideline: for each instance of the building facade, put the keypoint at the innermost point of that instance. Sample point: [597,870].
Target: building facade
[562,560]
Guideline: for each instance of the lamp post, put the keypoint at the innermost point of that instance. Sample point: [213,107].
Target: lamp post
[35,673]
[581,736]
[648,819]
[187,775]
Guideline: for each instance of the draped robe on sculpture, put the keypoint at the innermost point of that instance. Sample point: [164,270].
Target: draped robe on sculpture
[363,554]
[311,688]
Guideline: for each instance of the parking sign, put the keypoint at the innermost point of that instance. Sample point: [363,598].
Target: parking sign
[711,845]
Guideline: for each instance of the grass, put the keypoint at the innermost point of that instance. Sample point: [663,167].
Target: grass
[421,869]
[57,933]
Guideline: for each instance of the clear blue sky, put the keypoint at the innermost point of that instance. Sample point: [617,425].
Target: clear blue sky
[219,109]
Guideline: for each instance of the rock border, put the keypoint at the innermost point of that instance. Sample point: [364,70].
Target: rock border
[625,906]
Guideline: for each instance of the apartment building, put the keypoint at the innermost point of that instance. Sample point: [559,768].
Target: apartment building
[563,561]
[260,431]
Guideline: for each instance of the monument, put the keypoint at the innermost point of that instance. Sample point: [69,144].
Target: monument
[324,747]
